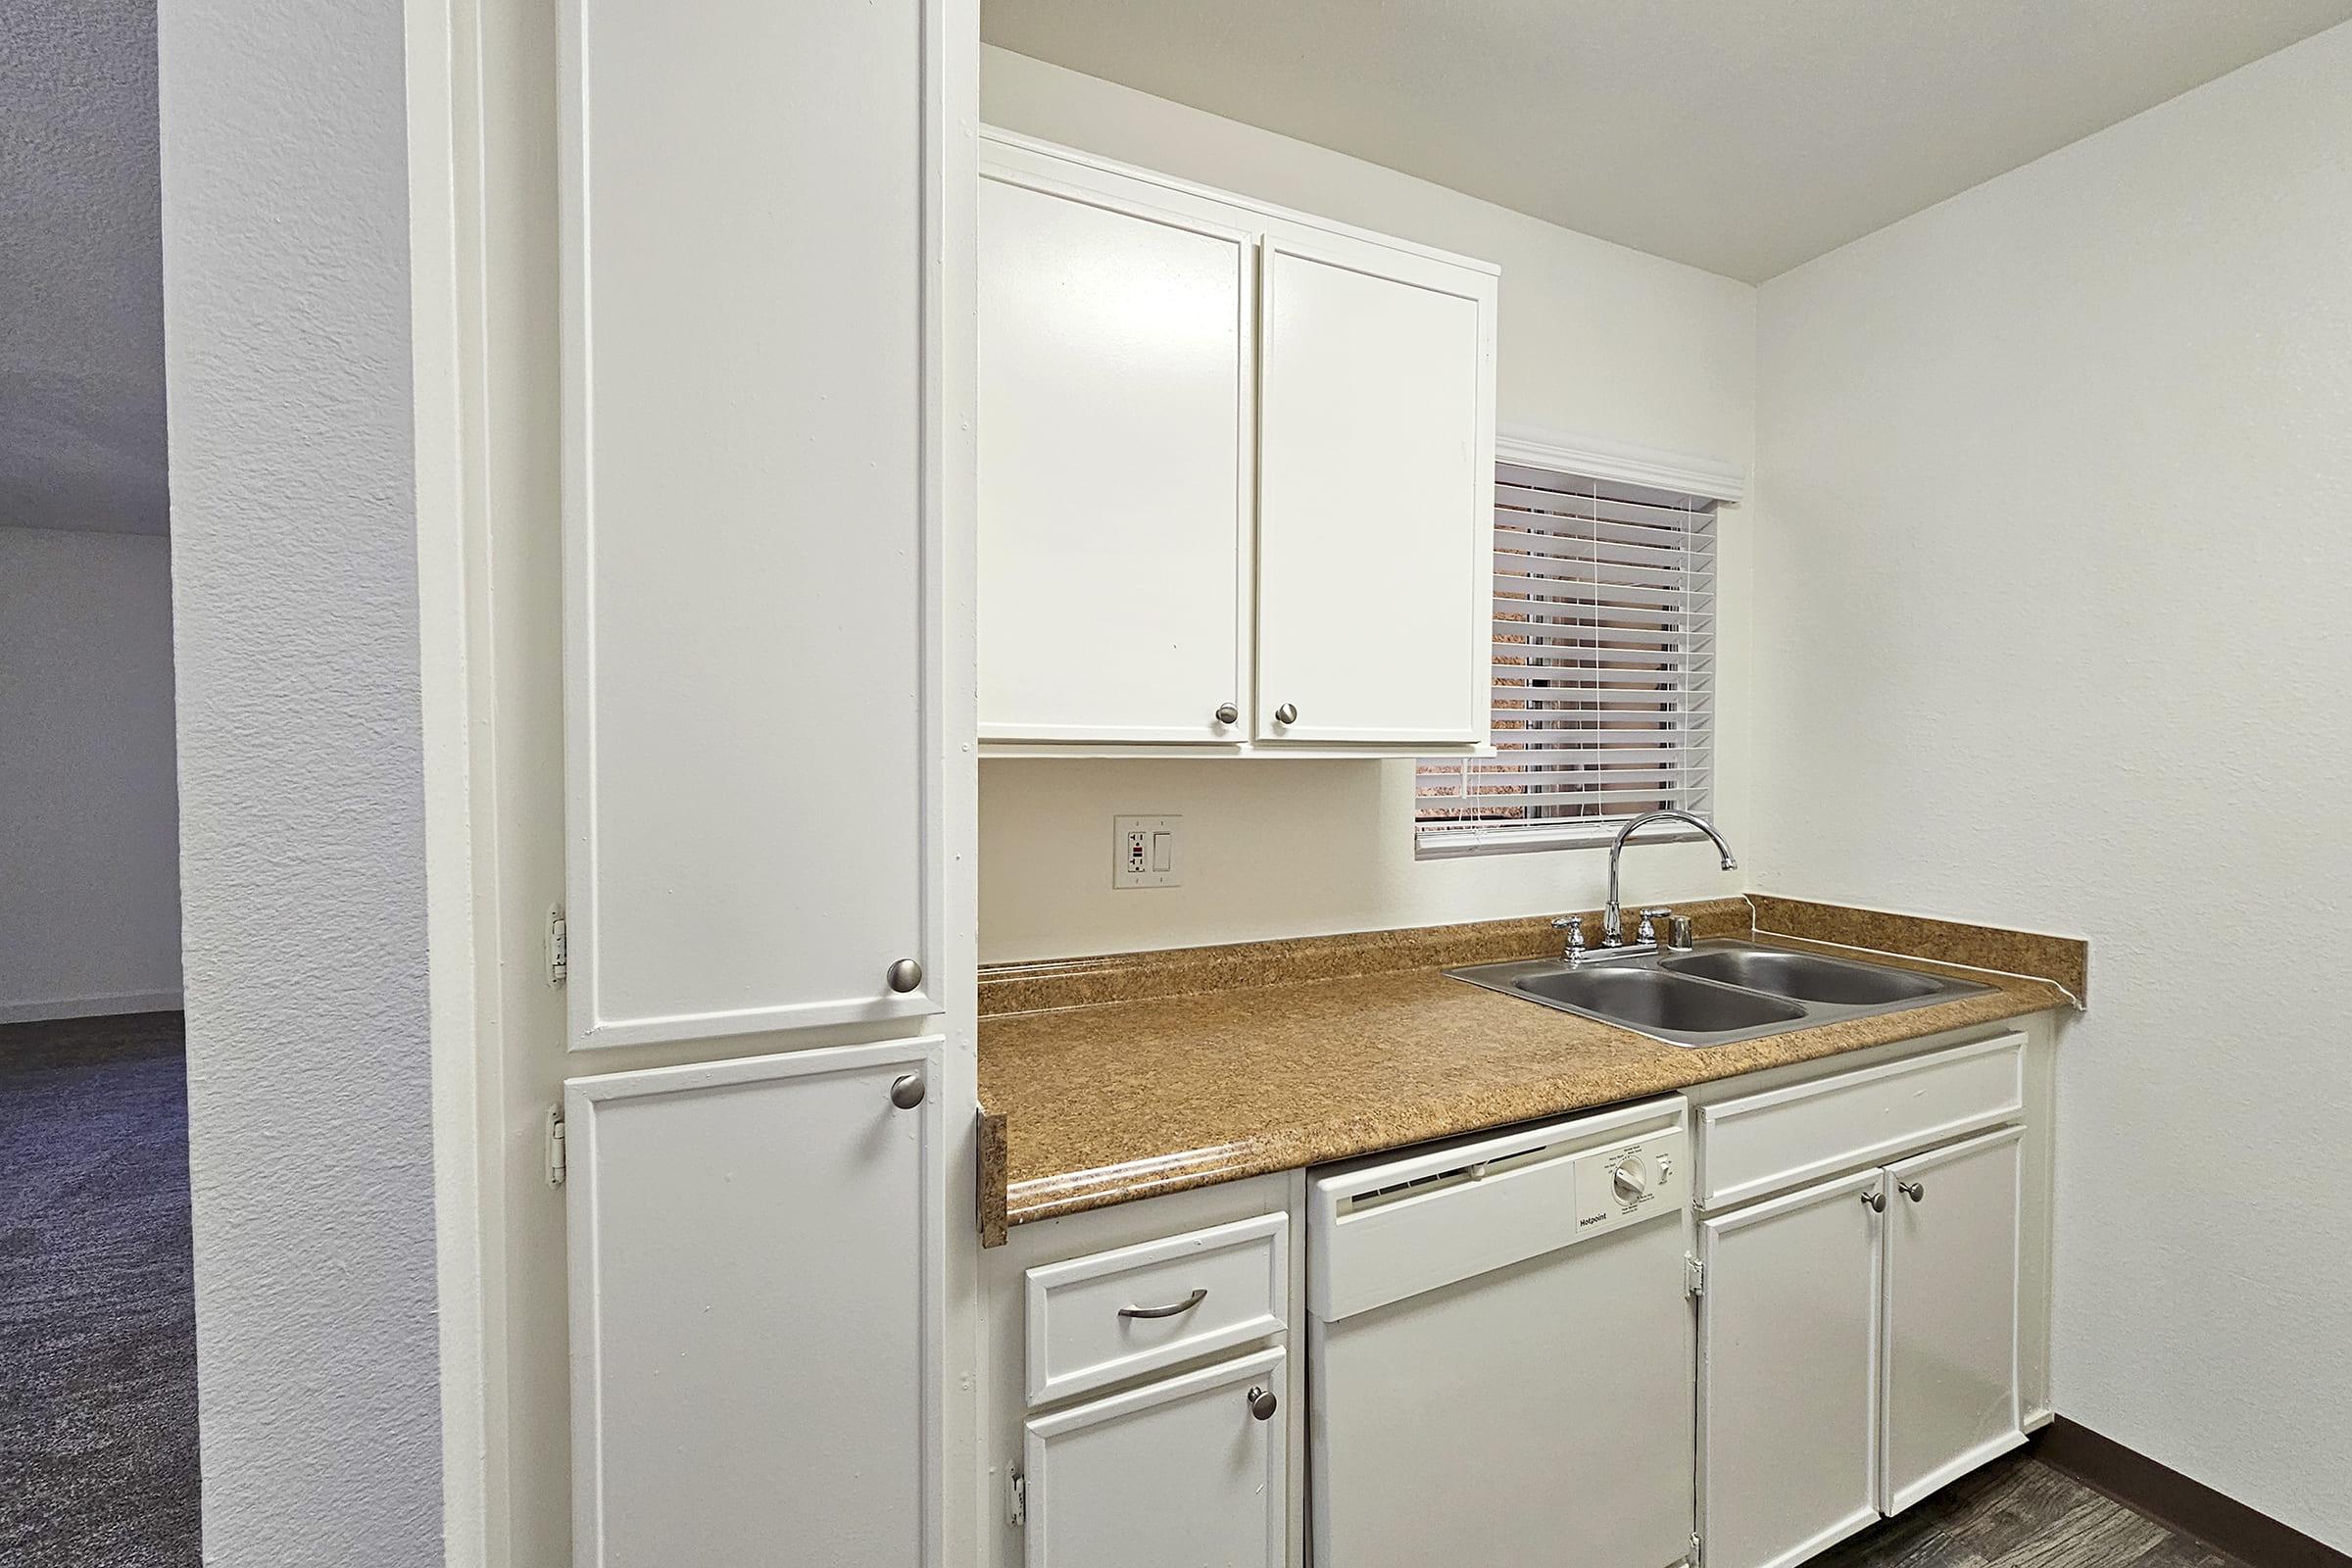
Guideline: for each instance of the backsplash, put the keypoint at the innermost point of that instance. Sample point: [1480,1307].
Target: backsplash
[1272,848]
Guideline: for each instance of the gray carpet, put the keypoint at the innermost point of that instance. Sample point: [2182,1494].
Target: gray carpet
[97,1315]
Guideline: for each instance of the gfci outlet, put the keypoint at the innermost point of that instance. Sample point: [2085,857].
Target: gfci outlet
[1145,852]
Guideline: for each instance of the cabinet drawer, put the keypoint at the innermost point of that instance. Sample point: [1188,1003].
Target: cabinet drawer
[1095,1321]
[1769,1142]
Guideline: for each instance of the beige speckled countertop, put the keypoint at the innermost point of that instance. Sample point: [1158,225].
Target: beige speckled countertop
[1119,1099]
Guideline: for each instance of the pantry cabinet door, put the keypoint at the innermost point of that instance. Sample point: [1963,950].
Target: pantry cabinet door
[1951,1383]
[752,428]
[1376,483]
[757,1251]
[1118,367]
[1183,1473]
[1788,1374]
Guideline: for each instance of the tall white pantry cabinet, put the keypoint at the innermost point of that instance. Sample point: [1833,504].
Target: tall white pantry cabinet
[765,935]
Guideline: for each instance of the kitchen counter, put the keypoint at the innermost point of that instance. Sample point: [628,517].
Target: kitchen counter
[1102,1103]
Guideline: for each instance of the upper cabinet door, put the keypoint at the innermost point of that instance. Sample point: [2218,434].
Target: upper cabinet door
[1951,1314]
[1374,495]
[753,424]
[1116,414]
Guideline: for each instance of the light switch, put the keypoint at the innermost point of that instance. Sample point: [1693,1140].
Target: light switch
[1143,852]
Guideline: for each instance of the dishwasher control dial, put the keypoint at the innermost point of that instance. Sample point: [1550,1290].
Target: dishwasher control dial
[1631,1179]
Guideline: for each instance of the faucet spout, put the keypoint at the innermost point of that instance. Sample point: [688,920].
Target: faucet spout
[1612,918]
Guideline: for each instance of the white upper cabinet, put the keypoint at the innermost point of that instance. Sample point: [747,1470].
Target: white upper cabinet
[752,486]
[1376,488]
[1236,472]
[1115,404]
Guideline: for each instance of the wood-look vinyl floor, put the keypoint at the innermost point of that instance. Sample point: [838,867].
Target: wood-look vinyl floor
[2020,1513]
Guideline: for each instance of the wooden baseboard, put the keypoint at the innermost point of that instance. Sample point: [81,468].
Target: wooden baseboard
[2189,1506]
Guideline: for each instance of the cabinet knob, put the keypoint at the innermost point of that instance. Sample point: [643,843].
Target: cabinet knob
[1287,714]
[907,1091]
[1227,713]
[1876,1201]
[1917,1191]
[905,975]
[1262,1403]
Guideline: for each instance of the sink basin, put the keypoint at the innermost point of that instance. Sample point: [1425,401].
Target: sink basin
[1720,992]
[1806,976]
[1655,1000]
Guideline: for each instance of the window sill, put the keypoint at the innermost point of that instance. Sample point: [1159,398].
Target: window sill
[1458,844]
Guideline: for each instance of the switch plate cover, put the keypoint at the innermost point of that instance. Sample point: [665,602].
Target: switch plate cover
[1147,851]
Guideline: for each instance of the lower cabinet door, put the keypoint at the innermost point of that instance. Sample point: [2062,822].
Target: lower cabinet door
[1184,1473]
[754,1311]
[1951,1397]
[1789,1374]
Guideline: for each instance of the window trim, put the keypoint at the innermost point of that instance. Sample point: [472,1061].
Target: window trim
[1707,478]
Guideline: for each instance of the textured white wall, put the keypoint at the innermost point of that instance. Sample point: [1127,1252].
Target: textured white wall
[295,563]
[89,859]
[2056,528]
[1596,340]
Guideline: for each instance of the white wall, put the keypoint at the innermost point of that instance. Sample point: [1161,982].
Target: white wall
[1596,340]
[294,535]
[2056,530]
[89,857]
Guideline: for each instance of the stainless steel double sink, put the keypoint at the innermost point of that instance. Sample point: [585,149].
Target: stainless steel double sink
[1716,993]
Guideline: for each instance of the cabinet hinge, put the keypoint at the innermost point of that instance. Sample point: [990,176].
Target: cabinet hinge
[559,947]
[555,1165]
[1016,1497]
[1694,1282]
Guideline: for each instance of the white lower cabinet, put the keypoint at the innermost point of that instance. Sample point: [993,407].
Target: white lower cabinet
[1951,1393]
[1143,1397]
[1858,1341]
[1869,1329]
[755,1310]
[1788,1374]
[1188,1472]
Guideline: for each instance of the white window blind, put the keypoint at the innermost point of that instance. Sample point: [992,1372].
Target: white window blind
[1603,666]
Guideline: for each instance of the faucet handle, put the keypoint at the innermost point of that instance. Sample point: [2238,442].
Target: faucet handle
[1574,925]
[1650,933]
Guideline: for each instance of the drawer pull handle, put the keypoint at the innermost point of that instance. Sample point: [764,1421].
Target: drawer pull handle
[1262,1404]
[1917,1191]
[1874,1201]
[1185,1306]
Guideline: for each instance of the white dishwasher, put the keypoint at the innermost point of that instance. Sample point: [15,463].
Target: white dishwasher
[1501,1349]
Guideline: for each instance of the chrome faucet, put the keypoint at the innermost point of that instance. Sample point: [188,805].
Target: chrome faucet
[1612,918]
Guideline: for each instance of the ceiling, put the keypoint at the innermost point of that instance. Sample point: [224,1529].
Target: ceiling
[82,293]
[1743,138]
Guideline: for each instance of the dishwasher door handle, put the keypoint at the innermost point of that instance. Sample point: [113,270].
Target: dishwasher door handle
[1185,1306]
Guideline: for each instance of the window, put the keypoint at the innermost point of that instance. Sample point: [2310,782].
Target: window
[1604,667]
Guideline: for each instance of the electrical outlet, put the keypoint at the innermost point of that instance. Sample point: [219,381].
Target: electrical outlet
[1146,851]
